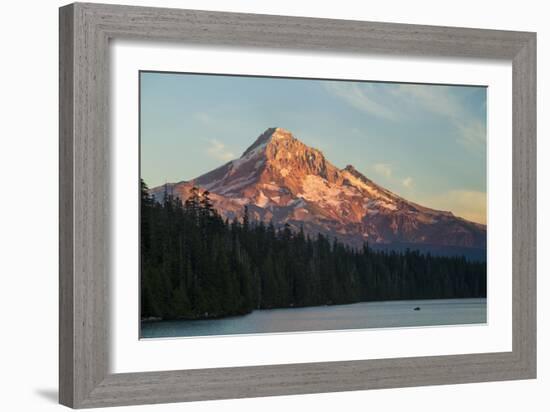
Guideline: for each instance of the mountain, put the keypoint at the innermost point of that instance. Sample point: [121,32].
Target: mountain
[283,180]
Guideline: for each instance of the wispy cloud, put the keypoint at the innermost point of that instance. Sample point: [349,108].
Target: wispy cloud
[386,170]
[434,99]
[202,117]
[440,100]
[469,204]
[407,182]
[402,102]
[472,135]
[219,151]
[383,169]
[361,96]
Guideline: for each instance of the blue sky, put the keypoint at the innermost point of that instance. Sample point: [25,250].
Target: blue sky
[426,143]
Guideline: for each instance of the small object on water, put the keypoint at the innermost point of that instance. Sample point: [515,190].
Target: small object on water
[417,308]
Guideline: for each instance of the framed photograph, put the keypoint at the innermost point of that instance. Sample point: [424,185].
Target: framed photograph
[279,238]
[256,205]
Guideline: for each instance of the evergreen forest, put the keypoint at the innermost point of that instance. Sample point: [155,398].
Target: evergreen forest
[196,265]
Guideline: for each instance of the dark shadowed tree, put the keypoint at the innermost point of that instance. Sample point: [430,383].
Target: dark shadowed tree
[196,265]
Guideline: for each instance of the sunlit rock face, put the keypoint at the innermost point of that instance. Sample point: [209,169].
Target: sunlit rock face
[284,181]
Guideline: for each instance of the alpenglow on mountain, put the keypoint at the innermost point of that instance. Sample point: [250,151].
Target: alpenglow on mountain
[284,181]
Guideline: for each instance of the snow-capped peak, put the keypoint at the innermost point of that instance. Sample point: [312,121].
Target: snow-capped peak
[282,179]
[271,134]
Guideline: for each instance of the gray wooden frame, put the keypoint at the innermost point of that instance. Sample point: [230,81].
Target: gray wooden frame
[85,31]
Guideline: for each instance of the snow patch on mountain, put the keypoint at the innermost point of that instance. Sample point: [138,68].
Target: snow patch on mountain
[262,200]
[284,171]
[236,184]
[238,163]
[285,181]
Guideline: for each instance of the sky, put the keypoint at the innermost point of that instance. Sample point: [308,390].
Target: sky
[426,143]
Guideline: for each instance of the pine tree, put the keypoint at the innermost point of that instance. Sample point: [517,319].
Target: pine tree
[192,204]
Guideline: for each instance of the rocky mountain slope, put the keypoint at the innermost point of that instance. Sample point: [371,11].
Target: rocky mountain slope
[283,180]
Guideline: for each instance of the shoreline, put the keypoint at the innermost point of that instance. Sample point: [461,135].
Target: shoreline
[228,316]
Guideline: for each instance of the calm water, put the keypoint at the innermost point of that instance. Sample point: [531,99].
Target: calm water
[353,316]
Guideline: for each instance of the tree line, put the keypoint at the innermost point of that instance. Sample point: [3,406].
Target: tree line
[195,264]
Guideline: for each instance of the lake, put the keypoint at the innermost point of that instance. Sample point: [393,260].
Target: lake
[335,317]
